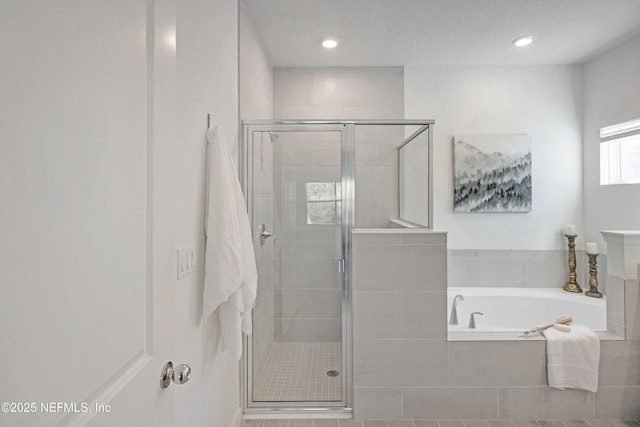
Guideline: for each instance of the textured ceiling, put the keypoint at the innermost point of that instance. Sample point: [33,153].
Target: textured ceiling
[441,32]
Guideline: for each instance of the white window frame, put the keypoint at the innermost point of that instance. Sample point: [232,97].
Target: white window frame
[336,200]
[611,151]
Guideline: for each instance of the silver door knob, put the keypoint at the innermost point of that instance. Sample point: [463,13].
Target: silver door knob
[264,234]
[179,375]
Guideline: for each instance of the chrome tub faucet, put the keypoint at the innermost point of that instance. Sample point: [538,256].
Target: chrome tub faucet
[453,319]
[472,320]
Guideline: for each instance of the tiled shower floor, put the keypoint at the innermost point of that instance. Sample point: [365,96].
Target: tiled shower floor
[295,372]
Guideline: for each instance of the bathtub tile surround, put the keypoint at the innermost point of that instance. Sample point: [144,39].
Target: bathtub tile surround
[618,402]
[624,249]
[620,363]
[544,403]
[486,380]
[435,423]
[519,268]
[450,402]
[632,305]
[623,274]
[478,364]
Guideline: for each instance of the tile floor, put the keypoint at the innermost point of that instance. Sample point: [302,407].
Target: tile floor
[295,372]
[435,423]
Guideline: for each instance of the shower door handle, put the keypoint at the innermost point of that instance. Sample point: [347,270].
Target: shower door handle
[341,266]
[264,234]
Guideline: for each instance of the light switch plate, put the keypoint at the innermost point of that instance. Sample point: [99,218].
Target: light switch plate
[186,261]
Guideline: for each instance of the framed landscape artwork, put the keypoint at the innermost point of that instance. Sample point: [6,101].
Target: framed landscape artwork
[492,173]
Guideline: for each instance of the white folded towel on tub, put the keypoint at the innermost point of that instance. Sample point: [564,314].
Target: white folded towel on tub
[573,358]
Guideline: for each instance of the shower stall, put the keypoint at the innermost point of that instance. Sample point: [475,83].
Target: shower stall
[308,184]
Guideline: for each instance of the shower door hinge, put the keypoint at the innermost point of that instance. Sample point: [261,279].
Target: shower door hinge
[341,266]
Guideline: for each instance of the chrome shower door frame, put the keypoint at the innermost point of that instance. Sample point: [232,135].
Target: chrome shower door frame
[347,165]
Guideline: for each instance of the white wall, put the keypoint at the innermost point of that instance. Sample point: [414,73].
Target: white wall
[544,102]
[207,74]
[256,72]
[611,94]
[256,102]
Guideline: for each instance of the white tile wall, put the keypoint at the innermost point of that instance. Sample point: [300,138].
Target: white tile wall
[632,306]
[478,364]
[450,402]
[544,403]
[351,93]
[422,313]
[377,403]
[381,312]
[308,303]
[400,362]
[515,268]
[431,378]
[618,403]
[404,267]
[399,356]
[262,213]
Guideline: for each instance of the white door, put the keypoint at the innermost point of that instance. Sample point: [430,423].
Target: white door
[86,225]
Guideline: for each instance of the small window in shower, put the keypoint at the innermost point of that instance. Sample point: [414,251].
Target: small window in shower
[324,202]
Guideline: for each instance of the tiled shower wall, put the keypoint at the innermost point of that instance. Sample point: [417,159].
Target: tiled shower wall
[263,202]
[308,304]
[308,298]
[354,93]
[404,367]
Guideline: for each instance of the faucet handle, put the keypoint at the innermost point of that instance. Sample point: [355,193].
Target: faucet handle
[472,320]
[453,319]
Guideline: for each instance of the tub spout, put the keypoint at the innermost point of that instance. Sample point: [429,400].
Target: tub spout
[472,320]
[453,319]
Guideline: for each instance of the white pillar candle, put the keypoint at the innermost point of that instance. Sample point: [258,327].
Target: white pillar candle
[570,230]
[592,248]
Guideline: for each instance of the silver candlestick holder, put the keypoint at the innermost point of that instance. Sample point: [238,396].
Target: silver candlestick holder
[593,277]
[572,284]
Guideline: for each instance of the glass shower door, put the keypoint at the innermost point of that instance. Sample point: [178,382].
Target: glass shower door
[297,201]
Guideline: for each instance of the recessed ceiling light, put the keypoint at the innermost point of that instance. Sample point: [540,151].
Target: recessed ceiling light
[523,41]
[329,44]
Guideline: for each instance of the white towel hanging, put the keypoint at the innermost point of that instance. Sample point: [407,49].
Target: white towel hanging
[230,282]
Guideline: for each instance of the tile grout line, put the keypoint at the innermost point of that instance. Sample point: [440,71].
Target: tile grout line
[402,314]
[449,362]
